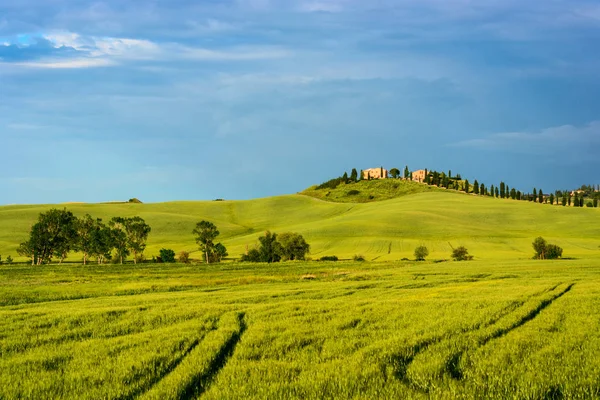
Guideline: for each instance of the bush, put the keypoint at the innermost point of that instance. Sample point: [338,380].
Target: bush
[328,258]
[135,201]
[331,184]
[553,252]
[9,260]
[589,204]
[461,254]
[184,257]
[421,252]
[252,256]
[167,255]
[358,257]
[353,192]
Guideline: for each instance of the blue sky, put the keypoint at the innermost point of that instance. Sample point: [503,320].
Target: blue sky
[180,99]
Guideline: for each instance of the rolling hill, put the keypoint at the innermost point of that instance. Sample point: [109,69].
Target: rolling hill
[381,230]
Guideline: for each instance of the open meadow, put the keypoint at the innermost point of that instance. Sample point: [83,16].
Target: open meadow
[504,329]
[490,228]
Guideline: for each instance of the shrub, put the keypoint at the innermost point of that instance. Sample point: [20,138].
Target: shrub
[404,259]
[589,204]
[461,254]
[167,255]
[252,256]
[421,252]
[328,258]
[9,260]
[353,192]
[135,201]
[184,257]
[358,257]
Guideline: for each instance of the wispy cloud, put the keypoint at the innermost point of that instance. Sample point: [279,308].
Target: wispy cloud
[550,140]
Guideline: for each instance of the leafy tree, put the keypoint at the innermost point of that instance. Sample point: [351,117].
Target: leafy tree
[206,232]
[461,254]
[118,236]
[395,173]
[85,230]
[167,255]
[293,246]
[513,194]
[553,252]
[354,175]
[421,253]
[102,242]
[270,249]
[476,187]
[219,253]
[53,235]
[137,231]
[539,246]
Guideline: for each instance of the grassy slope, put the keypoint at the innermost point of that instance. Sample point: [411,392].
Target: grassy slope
[489,228]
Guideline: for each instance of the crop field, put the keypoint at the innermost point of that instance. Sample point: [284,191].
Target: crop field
[492,229]
[503,329]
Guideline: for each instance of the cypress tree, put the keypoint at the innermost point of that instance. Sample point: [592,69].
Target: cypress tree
[502,190]
[482,190]
[345,177]
[492,190]
[497,192]
[466,186]
[476,187]
[541,196]
[534,194]
[354,175]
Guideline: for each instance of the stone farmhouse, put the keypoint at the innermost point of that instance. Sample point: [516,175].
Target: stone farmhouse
[375,173]
[419,176]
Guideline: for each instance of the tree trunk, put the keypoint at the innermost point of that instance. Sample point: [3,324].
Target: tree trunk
[135,257]
[206,252]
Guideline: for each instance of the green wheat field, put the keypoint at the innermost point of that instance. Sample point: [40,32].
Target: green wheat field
[501,326]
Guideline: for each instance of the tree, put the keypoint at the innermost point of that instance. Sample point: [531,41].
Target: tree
[184,257]
[270,249]
[253,255]
[406,173]
[595,202]
[482,190]
[502,190]
[420,253]
[118,237]
[85,228]
[345,177]
[293,245]
[539,246]
[492,191]
[103,242]
[219,253]
[466,186]
[395,173]
[541,196]
[564,200]
[354,175]
[569,199]
[534,194]
[513,194]
[206,232]
[52,236]
[167,255]
[476,187]
[497,195]
[361,176]
[461,254]
[551,198]
[581,201]
[9,260]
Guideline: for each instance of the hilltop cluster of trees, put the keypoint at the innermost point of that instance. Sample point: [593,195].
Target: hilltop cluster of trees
[274,248]
[59,232]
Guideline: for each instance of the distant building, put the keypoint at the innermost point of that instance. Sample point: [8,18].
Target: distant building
[375,173]
[419,176]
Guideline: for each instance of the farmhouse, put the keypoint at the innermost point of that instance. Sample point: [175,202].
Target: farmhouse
[375,173]
[419,176]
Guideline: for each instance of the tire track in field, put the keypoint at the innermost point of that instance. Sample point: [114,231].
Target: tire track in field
[401,362]
[202,382]
[453,367]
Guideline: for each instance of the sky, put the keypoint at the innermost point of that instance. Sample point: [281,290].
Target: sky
[238,99]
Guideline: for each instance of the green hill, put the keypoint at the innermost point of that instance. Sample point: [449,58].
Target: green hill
[382,230]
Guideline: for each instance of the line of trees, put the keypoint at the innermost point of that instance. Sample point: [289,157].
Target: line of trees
[59,232]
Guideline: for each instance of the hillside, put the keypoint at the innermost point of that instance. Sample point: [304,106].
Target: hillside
[384,230]
[366,191]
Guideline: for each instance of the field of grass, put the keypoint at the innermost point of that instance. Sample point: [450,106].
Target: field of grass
[504,329]
[384,230]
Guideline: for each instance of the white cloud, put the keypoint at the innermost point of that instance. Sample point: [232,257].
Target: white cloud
[72,63]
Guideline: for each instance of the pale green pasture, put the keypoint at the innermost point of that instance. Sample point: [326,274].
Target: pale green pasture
[386,230]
